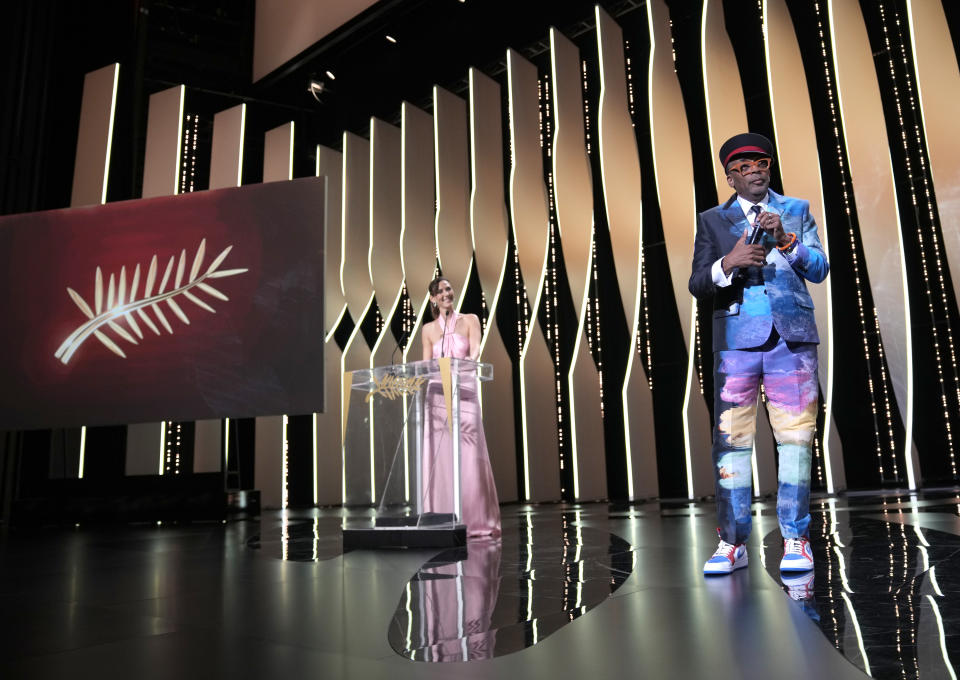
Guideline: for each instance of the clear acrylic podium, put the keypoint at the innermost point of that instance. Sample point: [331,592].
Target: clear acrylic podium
[401,437]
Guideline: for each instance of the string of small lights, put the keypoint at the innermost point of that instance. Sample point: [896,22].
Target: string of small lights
[901,86]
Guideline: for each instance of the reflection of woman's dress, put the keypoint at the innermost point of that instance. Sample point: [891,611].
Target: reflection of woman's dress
[478,495]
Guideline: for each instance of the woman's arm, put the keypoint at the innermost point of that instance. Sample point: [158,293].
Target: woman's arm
[426,341]
[473,335]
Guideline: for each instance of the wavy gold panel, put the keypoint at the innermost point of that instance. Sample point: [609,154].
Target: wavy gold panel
[489,226]
[876,201]
[727,116]
[573,198]
[620,174]
[938,80]
[530,221]
[800,169]
[355,272]
[386,267]
[330,165]
[327,430]
[674,174]
[418,240]
[161,177]
[454,244]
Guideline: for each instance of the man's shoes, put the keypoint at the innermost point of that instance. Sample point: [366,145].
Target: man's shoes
[726,559]
[799,584]
[797,555]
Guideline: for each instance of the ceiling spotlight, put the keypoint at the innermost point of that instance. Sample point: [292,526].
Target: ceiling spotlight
[390,38]
[316,88]
[331,76]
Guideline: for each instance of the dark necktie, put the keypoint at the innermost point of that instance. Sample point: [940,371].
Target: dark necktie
[754,276]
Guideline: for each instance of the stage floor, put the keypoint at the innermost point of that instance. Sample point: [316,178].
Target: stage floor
[586,591]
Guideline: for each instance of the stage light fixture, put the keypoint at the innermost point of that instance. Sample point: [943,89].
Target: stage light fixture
[390,38]
[330,75]
[316,88]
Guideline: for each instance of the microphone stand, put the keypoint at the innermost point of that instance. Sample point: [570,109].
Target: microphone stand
[446,317]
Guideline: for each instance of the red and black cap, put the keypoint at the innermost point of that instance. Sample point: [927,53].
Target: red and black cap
[744,144]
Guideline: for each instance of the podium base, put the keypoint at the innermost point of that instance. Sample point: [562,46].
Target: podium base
[370,538]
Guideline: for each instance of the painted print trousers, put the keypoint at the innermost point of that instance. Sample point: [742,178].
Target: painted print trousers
[788,372]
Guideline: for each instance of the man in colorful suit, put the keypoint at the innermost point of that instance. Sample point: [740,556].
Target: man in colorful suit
[753,256]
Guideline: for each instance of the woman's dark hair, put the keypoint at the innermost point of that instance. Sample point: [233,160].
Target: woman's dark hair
[433,289]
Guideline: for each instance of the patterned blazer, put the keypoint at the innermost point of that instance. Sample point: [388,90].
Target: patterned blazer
[742,313]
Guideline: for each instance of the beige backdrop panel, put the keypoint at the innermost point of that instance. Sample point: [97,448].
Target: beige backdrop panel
[573,201]
[872,176]
[531,222]
[226,162]
[727,116]
[90,172]
[453,193]
[357,286]
[938,81]
[386,267]
[161,166]
[489,225]
[226,154]
[161,175]
[674,171]
[800,170]
[355,272]
[418,241]
[327,425]
[269,441]
[620,174]
[95,136]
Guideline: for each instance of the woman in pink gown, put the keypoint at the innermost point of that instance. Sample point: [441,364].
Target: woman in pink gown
[457,335]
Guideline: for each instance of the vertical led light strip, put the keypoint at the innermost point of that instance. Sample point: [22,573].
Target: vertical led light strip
[243,129]
[113,109]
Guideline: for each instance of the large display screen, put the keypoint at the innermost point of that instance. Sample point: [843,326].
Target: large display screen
[203,305]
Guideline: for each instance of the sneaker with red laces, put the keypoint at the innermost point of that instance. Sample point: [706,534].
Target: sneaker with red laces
[726,559]
[797,555]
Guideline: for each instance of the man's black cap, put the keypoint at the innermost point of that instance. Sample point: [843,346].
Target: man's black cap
[743,144]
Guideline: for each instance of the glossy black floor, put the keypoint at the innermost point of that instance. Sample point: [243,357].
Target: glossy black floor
[591,591]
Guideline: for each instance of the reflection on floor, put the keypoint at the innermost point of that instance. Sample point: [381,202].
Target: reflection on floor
[592,590]
[885,583]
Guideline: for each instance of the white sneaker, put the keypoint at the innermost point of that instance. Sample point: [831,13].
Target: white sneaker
[726,559]
[797,555]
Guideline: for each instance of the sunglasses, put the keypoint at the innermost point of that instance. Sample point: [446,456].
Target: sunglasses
[745,166]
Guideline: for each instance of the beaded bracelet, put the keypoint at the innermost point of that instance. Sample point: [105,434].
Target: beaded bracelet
[793,241]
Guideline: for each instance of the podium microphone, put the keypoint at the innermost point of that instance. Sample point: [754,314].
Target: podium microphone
[443,338]
[403,337]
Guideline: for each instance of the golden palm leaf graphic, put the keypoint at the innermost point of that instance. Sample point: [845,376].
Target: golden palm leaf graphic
[122,303]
